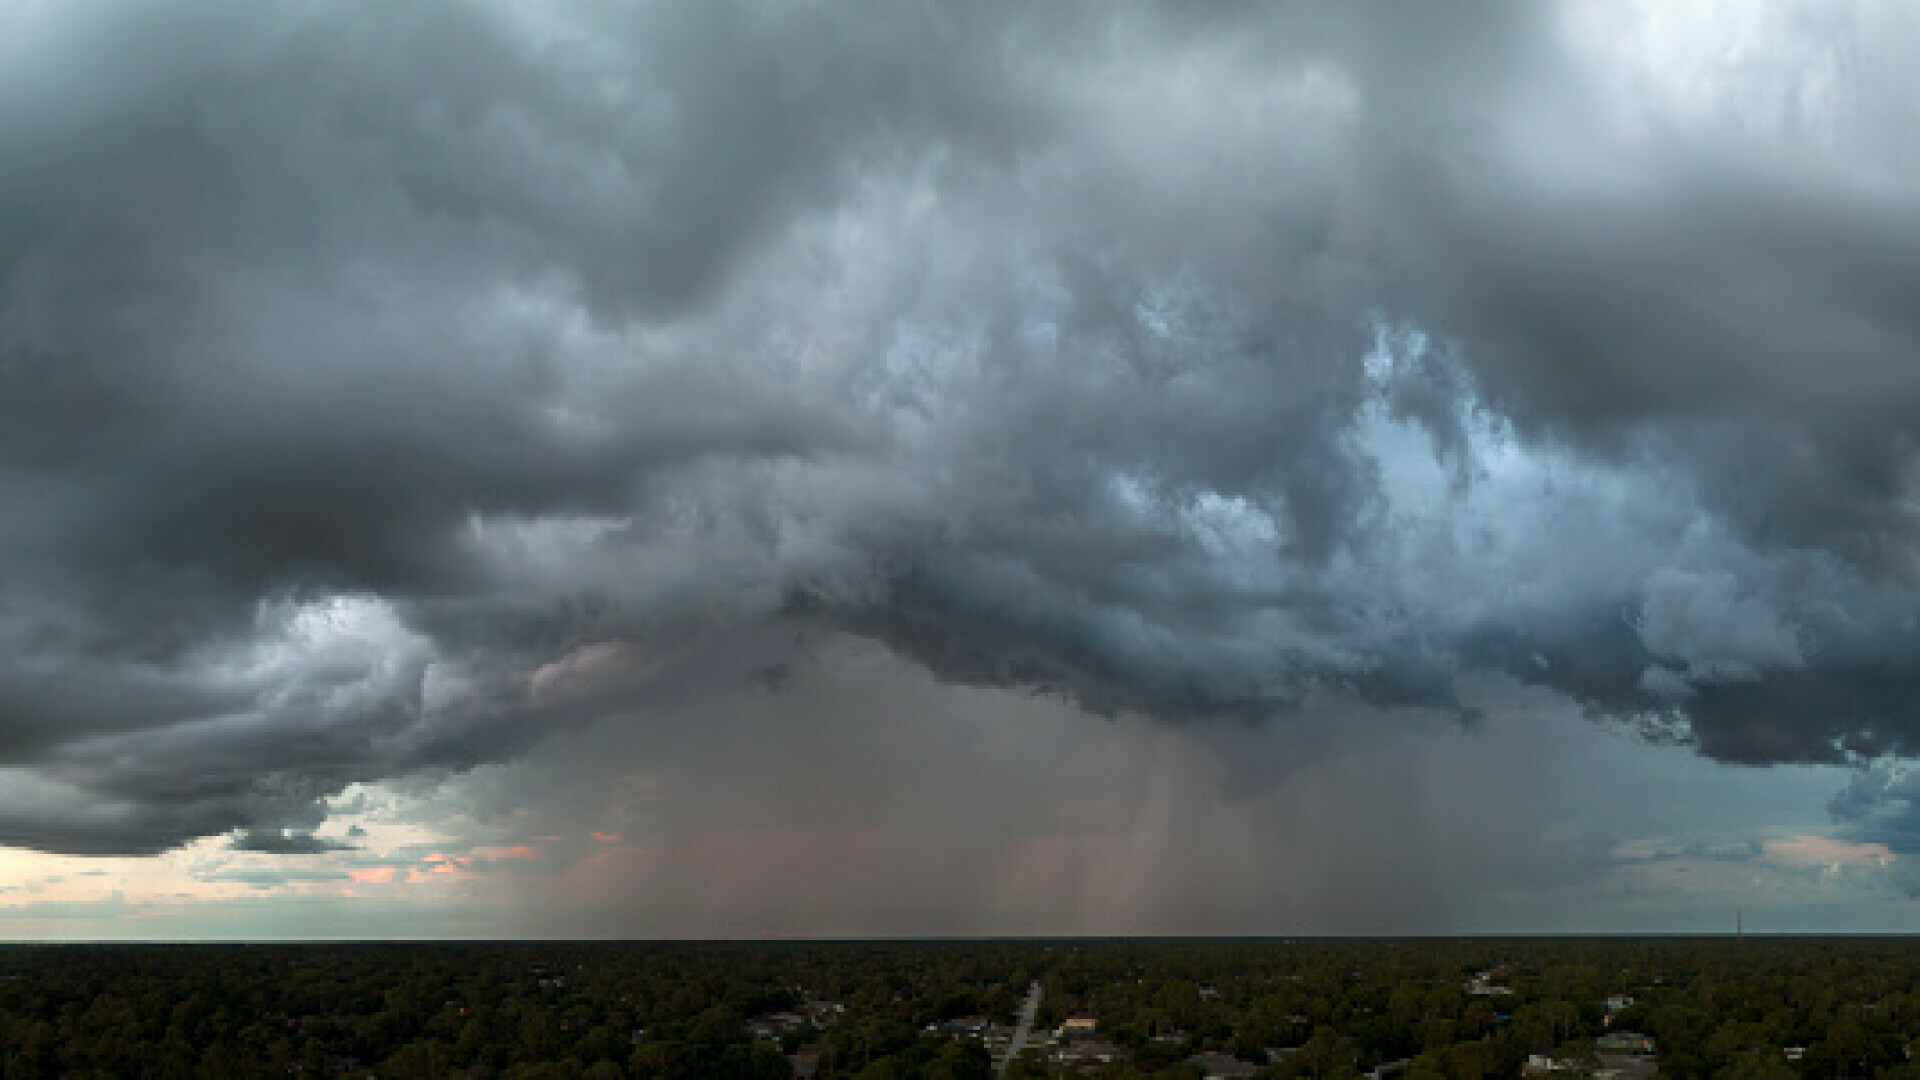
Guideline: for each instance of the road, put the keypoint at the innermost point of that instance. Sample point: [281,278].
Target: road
[1022,1030]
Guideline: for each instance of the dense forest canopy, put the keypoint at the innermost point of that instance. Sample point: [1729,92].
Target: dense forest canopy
[1759,1007]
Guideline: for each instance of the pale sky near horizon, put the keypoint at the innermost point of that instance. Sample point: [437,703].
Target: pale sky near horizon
[839,469]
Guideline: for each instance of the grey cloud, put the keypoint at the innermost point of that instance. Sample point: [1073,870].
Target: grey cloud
[1881,805]
[1745,322]
[383,390]
[286,842]
[1719,636]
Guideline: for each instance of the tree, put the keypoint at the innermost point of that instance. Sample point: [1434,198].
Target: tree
[422,1059]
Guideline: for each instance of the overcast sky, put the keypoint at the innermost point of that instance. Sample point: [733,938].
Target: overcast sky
[900,467]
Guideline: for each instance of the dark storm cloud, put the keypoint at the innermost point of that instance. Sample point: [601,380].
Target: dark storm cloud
[286,842]
[290,836]
[382,389]
[1757,329]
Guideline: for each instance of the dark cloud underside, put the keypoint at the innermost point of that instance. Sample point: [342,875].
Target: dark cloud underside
[381,388]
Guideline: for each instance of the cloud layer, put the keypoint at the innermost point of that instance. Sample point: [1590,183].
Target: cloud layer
[382,389]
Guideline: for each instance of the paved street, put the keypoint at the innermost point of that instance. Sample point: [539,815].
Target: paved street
[1024,1028]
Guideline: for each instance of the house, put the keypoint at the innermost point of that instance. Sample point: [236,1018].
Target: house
[1078,1026]
[774,1025]
[1089,1054]
[1615,1067]
[970,1027]
[1623,1042]
[1217,1066]
[1544,1061]
[1482,985]
[1171,1035]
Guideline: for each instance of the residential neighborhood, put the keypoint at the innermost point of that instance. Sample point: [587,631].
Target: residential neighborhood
[1384,1009]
